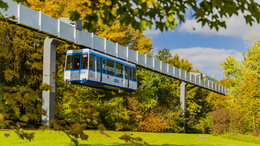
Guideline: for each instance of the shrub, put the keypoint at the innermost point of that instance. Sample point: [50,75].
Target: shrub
[236,122]
[152,123]
[257,131]
[225,120]
[203,125]
[220,120]
[173,118]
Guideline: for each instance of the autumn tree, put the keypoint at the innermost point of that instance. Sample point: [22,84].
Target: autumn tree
[244,88]
[21,77]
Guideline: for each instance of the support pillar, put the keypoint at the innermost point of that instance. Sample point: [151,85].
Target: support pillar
[183,103]
[49,70]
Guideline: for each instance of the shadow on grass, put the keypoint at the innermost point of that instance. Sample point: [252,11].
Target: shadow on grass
[120,144]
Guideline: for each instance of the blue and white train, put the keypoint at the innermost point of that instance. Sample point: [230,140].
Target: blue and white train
[91,68]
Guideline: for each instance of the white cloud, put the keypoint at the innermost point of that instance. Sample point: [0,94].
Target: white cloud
[207,60]
[236,27]
[152,32]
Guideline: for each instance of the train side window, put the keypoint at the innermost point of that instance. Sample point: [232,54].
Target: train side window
[134,74]
[69,62]
[84,61]
[110,67]
[98,64]
[76,62]
[119,70]
[92,62]
[104,65]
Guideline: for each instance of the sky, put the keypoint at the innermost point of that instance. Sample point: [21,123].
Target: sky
[205,48]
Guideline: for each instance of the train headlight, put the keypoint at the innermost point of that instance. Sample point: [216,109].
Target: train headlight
[84,78]
[67,80]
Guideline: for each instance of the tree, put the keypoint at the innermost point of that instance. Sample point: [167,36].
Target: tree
[244,88]
[165,14]
[162,92]
[21,77]
[218,101]
[3,5]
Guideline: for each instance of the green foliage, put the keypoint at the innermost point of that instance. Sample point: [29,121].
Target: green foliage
[3,5]
[204,125]
[20,107]
[20,80]
[172,118]
[144,13]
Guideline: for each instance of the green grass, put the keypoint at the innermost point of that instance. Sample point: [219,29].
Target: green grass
[49,138]
[243,137]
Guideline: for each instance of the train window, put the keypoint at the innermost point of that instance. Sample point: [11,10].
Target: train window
[104,65]
[119,70]
[92,62]
[76,62]
[110,67]
[69,62]
[134,74]
[84,61]
[98,64]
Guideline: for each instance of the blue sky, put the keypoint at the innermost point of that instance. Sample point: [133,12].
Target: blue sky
[203,47]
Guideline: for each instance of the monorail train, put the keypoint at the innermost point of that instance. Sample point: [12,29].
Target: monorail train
[91,68]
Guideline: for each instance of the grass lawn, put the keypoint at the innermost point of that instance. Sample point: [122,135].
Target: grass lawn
[49,138]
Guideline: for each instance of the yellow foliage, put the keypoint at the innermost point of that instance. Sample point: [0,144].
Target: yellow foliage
[126,36]
[245,84]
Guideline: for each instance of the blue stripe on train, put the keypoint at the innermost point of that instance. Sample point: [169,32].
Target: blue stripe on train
[102,73]
[83,81]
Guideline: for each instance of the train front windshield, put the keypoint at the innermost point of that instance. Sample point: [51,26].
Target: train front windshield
[77,62]
[69,64]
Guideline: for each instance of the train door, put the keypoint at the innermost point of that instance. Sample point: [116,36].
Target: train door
[101,68]
[75,72]
[92,74]
[127,76]
[104,70]
[98,69]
